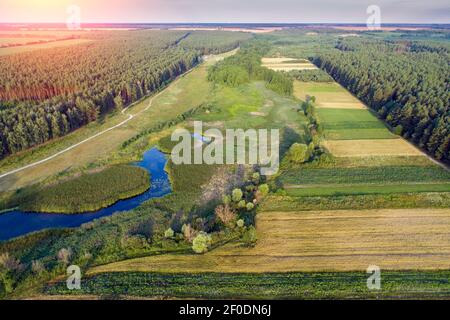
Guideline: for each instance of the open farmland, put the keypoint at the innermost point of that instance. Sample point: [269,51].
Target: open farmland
[329,95]
[287,64]
[363,148]
[321,240]
[40,46]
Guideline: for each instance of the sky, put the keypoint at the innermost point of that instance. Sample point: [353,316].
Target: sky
[226,11]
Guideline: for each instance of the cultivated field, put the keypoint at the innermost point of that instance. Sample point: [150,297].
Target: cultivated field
[321,240]
[287,64]
[364,148]
[32,47]
[328,95]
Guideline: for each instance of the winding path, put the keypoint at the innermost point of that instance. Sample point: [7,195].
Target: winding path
[130,116]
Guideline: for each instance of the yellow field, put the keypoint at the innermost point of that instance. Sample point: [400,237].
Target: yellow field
[180,96]
[20,40]
[283,64]
[401,239]
[33,47]
[365,148]
[328,95]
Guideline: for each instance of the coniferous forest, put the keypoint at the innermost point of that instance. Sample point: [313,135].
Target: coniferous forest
[47,94]
[406,82]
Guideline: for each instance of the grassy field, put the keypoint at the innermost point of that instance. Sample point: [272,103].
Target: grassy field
[336,190]
[363,175]
[423,200]
[33,47]
[318,241]
[328,95]
[320,285]
[89,192]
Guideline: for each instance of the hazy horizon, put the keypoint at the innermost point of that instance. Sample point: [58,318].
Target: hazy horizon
[231,11]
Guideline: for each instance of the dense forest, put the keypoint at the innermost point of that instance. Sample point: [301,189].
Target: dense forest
[406,82]
[246,65]
[48,93]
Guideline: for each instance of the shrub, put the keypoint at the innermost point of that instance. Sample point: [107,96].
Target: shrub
[241,204]
[298,153]
[398,130]
[256,178]
[37,266]
[188,232]
[226,199]
[263,189]
[201,243]
[64,255]
[249,238]
[225,214]
[240,223]
[250,206]
[237,195]
[169,233]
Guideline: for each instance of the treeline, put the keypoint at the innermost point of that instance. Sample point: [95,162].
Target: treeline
[213,42]
[407,83]
[46,94]
[245,66]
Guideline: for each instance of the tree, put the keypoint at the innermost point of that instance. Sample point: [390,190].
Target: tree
[225,214]
[298,153]
[236,195]
[169,233]
[201,243]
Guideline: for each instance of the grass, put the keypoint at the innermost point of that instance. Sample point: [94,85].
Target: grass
[372,175]
[328,95]
[319,285]
[336,119]
[352,134]
[89,192]
[357,202]
[342,240]
[365,189]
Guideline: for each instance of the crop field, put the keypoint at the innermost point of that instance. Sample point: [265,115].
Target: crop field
[337,190]
[39,46]
[292,285]
[287,64]
[328,95]
[372,175]
[369,147]
[321,240]
[358,202]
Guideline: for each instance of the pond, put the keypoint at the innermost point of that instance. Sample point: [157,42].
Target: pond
[17,223]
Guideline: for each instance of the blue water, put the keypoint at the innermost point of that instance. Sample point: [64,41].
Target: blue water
[17,223]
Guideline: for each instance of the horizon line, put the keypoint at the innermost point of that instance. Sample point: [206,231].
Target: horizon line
[236,23]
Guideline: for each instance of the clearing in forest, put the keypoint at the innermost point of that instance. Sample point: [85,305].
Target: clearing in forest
[329,95]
